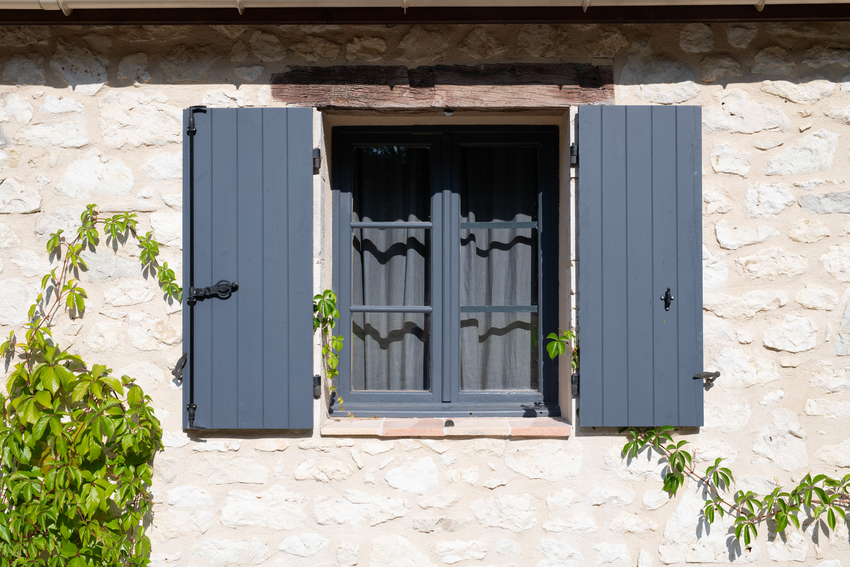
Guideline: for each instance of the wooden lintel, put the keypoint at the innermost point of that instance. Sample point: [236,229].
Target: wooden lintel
[531,85]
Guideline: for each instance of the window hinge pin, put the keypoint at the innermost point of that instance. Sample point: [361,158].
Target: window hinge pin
[317,160]
[317,386]
[573,156]
[574,380]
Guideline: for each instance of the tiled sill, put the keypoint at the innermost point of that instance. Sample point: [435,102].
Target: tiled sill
[436,427]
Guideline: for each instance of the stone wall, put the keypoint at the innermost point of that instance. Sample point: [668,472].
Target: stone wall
[92,114]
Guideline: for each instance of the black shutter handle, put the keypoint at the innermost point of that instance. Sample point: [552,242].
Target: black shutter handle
[223,289]
[667,299]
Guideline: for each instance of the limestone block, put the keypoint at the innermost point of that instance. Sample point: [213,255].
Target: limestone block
[429,525]
[174,439]
[744,337]
[716,67]
[106,265]
[375,447]
[146,332]
[16,197]
[135,119]
[505,546]
[745,306]
[396,551]
[231,31]
[772,397]
[726,158]
[228,553]
[14,107]
[646,465]
[770,263]
[509,511]
[275,509]
[267,47]
[61,105]
[821,56]
[737,113]
[773,61]
[835,455]
[448,459]
[211,446]
[714,201]
[829,378]
[610,494]
[323,470]
[249,74]
[732,237]
[740,369]
[783,443]
[239,51]
[24,36]
[836,261]
[324,445]
[30,263]
[696,38]
[456,551]
[53,134]
[420,44]
[608,44]
[549,460]
[177,523]
[16,296]
[315,48]
[714,268]
[440,501]
[631,523]
[348,553]
[135,68]
[481,447]
[795,334]
[827,408]
[131,292]
[839,113]
[189,64]
[655,79]
[740,35]
[358,507]
[84,71]
[826,203]
[577,523]
[803,91]
[655,499]
[225,98]
[168,227]
[164,166]
[96,174]
[415,477]
[154,33]
[808,230]
[817,297]
[24,69]
[562,500]
[144,373]
[220,469]
[365,49]
[790,546]
[165,559]
[165,469]
[8,238]
[174,200]
[469,475]
[542,40]
[304,545]
[763,199]
[479,43]
[611,553]
[105,336]
[727,417]
[189,497]
[557,554]
[767,145]
[810,154]
[842,340]
[271,445]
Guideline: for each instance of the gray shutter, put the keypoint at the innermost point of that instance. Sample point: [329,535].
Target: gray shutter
[250,356]
[640,232]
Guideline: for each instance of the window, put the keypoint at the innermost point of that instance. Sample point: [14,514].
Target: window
[445,253]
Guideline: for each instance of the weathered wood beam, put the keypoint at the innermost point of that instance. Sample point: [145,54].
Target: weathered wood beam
[445,86]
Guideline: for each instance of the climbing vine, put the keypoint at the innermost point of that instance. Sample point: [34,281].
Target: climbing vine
[76,442]
[325,315]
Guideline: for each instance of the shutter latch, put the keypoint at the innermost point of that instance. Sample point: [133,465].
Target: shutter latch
[223,289]
[317,160]
[667,299]
[178,368]
[709,377]
[573,156]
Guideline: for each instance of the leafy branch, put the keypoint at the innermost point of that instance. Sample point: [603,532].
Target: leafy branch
[821,498]
[562,341]
[325,315]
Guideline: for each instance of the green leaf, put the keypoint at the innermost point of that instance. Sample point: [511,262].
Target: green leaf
[44,398]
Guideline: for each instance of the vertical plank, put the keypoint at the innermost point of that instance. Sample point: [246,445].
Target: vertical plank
[639,265]
[615,335]
[299,217]
[202,368]
[249,298]
[225,352]
[188,374]
[664,266]
[589,188]
[688,173]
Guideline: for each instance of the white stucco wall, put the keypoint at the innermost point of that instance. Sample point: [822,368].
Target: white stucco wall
[92,114]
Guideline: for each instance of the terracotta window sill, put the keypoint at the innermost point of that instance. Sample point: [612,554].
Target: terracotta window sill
[436,427]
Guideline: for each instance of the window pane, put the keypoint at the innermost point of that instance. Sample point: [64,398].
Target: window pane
[498,266]
[498,184]
[391,183]
[390,351]
[499,351]
[390,266]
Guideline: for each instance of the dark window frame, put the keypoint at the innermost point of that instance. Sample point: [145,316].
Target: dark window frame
[445,399]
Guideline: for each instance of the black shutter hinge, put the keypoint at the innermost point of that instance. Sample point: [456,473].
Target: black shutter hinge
[317,160]
[574,381]
[223,289]
[573,156]
[177,372]
[317,386]
[190,129]
[709,377]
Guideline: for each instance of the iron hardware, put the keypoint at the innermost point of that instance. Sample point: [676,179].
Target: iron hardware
[573,156]
[178,368]
[223,289]
[709,377]
[667,299]
[317,386]
[317,160]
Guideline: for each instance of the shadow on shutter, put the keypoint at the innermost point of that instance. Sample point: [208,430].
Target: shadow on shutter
[249,221]
[640,232]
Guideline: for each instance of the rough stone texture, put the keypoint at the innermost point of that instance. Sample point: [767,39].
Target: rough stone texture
[367,49]
[809,155]
[740,35]
[456,551]
[727,417]
[836,261]
[829,379]
[542,40]
[249,74]
[808,231]
[316,49]
[481,44]
[714,202]
[135,68]
[69,134]
[820,56]
[827,408]
[396,551]
[632,523]
[696,38]
[275,509]
[358,507]
[305,545]
[740,369]
[60,105]
[551,461]
[95,174]
[745,306]
[803,91]
[788,547]
[733,237]
[783,443]
[817,297]
[509,511]
[726,158]
[655,79]
[773,61]
[835,455]
[138,119]
[415,477]
[715,67]
[84,71]
[164,166]
[610,495]
[323,470]
[230,470]
[795,334]
[189,64]
[228,553]
[16,197]
[16,296]
[826,203]
[146,332]
[738,113]
[421,43]
[714,269]
[189,497]
[771,263]
[24,69]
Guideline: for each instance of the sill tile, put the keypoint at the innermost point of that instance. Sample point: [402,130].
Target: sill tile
[432,427]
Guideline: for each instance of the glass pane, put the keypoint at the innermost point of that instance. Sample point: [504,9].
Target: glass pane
[498,266]
[499,351]
[390,351]
[390,266]
[498,184]
[391,183]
